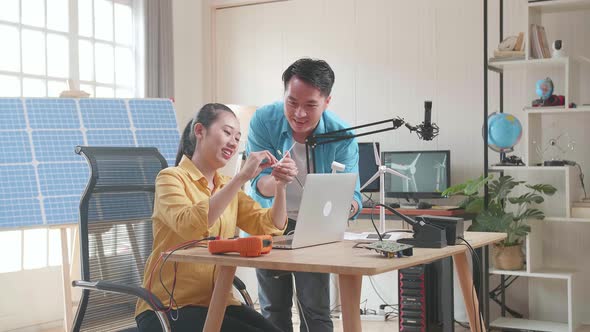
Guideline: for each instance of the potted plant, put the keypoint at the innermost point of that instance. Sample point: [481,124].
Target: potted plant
[505,213]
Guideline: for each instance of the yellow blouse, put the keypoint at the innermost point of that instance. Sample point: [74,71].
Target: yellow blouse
[180,213]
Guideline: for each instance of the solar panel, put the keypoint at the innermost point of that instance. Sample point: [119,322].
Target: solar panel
[41,177]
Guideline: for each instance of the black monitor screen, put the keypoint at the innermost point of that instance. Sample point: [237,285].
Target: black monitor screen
[368,166]
[429,173]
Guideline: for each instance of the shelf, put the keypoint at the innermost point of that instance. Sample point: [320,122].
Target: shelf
[557,110]
[564,219]
[529,168]
[500,66]
[532,325]
[559,6]
[543,274]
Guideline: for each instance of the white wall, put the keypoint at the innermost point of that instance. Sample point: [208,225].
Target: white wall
[388,58]
[191,57]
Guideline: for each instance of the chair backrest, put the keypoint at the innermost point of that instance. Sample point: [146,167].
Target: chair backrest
[115,230]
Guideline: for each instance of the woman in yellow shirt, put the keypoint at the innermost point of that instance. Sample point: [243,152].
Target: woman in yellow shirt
[193,201]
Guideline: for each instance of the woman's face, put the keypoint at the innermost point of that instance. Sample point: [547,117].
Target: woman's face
[218,143]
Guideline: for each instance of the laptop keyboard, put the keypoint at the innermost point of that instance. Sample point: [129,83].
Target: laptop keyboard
[282,239]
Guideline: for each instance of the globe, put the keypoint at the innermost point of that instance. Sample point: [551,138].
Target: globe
[504,132]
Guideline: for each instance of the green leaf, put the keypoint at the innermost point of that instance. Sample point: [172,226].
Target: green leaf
[532,214]
[474,186]
[527,198]
[474,205]
[490,222]
[457,189]
[468,188]
[500,188]
[546,189]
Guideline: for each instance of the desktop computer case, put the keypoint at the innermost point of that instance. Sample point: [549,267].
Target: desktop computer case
[425,296]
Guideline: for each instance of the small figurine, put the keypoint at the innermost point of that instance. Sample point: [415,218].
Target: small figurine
[544,88]
[546,97]
[512,161]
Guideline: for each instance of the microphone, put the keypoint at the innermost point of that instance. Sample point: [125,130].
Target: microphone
[427,113]
[426,130]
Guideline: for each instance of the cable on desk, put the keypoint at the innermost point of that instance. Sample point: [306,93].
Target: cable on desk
[373,222]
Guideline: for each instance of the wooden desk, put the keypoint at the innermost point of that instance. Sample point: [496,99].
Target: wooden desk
[418,212]
[340,258]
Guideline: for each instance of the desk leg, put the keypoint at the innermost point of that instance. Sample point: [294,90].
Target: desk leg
[223,284]
[469,294]
[350,297]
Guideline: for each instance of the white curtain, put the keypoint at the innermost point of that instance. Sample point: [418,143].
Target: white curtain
[159,49]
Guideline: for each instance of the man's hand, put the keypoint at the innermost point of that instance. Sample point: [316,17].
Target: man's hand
[285,171]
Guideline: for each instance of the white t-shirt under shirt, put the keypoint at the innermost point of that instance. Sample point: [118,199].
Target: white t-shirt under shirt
[294,189]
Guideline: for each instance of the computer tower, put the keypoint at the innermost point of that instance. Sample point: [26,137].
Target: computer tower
[425,297]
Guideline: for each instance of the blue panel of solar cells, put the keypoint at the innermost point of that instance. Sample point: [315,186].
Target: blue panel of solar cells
[152,114]
[101,137]
[57,145]
[18,182]
[42,179]
[63,179]
[47,113]
[12,115]
[20,212]
[165,140]
[62,210]
[15,147]
[104,113]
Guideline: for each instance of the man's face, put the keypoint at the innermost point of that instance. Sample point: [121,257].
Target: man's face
[304,105]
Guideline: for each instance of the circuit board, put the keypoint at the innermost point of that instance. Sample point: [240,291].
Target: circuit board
[391,249]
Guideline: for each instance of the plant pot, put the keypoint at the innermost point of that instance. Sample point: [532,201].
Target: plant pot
[508,258]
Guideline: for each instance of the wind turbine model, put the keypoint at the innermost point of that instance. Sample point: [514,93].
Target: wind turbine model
[440,172]
[381,170]
[410,182]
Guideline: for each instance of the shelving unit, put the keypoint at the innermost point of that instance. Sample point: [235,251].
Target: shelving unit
[555,248]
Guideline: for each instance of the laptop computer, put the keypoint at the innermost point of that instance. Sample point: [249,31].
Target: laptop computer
[323,211]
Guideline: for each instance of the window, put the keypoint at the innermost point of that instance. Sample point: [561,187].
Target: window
[33,248]
[48,42]
[45,43]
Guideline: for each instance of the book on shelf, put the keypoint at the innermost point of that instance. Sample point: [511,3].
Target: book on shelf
[519,46]
[507,56]
[538,42]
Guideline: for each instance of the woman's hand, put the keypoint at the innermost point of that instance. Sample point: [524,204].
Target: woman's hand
[256,162]
[285,172]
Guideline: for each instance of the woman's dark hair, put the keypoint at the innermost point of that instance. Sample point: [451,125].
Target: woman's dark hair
[314,72]
[206,116]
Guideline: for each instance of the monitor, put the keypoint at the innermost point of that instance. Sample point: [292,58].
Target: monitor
[429,173]
[368,166]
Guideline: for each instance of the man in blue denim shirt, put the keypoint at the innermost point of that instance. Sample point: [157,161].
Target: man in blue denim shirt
[278,127]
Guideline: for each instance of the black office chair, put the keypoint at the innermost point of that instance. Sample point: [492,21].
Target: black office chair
[116,238]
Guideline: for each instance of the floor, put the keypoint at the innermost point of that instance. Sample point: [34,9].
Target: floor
[368,326]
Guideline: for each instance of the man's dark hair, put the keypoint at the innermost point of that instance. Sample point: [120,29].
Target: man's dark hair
[314,72]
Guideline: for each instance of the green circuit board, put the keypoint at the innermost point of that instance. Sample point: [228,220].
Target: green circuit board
[391,249]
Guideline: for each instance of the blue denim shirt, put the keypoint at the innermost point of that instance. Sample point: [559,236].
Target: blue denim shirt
[270,130]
